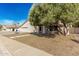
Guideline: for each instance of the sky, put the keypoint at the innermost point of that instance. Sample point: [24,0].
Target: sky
[14,12]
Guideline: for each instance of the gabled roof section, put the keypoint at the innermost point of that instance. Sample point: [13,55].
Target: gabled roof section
[25,24]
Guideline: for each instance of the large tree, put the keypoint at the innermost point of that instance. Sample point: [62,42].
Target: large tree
[48,14]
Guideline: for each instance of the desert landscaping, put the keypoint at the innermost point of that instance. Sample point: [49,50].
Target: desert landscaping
[59,45]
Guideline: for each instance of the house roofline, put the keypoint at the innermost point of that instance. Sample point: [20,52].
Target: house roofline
[23,23]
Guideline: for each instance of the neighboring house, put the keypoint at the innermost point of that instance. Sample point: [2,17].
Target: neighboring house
[9,28]
[26,27]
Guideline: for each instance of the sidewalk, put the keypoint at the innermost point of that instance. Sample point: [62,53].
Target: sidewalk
[3,50]
[16,48]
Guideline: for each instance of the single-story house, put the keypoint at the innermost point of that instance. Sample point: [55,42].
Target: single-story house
[27,27]
[9,27]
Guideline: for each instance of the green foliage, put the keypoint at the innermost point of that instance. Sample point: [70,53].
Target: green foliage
[48,14]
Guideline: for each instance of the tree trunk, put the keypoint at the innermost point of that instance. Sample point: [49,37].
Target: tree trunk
[61,30]
[66,31]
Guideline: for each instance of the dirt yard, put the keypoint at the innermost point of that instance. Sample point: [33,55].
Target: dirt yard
[59,45]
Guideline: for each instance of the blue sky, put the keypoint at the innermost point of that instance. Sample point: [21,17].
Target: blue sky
[14,12]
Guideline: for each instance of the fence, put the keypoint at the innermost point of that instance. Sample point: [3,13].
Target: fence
[74,30]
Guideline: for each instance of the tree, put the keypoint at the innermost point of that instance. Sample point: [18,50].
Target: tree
[48,14]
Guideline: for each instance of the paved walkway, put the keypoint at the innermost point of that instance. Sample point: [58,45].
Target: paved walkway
[15,48]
